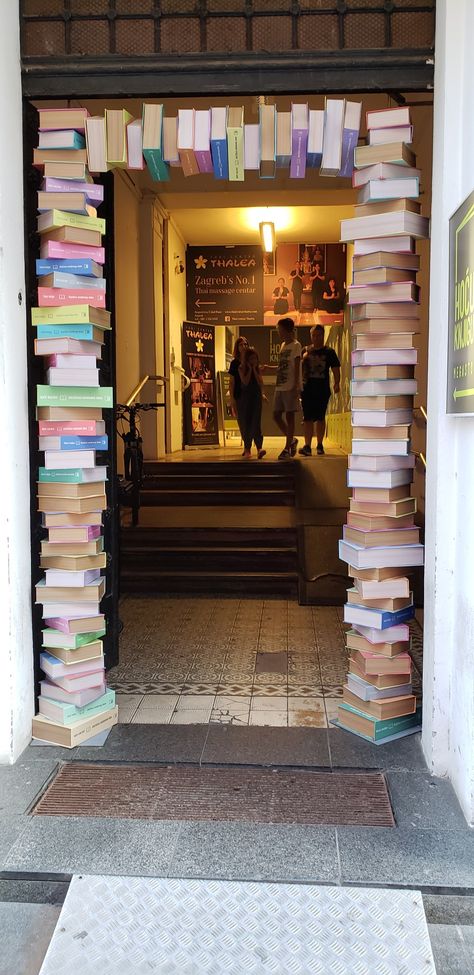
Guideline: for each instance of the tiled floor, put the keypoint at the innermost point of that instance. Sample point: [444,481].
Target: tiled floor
[232,661]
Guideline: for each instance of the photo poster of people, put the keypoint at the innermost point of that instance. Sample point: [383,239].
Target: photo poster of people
[200,400]
[304,281]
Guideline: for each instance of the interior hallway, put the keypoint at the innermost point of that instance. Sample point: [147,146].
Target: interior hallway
[233,661]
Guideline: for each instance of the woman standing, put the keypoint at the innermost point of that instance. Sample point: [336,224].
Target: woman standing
[250,403]
[235,384]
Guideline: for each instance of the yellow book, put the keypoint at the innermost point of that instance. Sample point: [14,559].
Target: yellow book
[71,315]
[52,219]
[116,121]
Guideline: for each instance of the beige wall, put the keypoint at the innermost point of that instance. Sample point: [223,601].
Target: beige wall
[127,291]
[175,314]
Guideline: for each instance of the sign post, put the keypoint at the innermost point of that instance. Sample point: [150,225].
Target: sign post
[225,285]
[200,399]
[460,384]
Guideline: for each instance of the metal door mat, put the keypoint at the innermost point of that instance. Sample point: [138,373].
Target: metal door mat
[221,794]
[138,925]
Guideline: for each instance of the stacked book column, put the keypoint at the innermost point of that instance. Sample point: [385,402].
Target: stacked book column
[381,543]
[71,319]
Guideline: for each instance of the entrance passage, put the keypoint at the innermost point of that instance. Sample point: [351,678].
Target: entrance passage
[233,661]
[224,794]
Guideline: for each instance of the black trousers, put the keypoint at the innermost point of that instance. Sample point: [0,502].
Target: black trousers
[249,410]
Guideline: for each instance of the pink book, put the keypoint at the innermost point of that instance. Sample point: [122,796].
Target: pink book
[72,428]
[53,667]
[391,634]
[94,191]
[68,346]
[53,297]
[61,623]
[60,117]
[403,661]
[78,698]
[202,140]
[81,681]
[57,248]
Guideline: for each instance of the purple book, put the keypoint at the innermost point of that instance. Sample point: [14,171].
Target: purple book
[350,137]
[202,140]
[299,140]
[93,191]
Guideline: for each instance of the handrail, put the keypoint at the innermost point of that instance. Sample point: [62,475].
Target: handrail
[420,455]
[141,384]
[423,413]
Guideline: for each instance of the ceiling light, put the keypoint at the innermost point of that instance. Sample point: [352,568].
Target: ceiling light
[267,236]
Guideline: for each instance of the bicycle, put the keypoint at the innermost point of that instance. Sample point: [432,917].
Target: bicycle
[133,453]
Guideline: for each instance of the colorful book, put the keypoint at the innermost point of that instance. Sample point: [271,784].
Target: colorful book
[58,297]
[69,266]
[219,149]
[74,475]
[74,734]
[283,139]
[64,279]
[391,152]
[75,429]
[374,730]
[62,118]
[350,137]
[383,171]
[65,459]
[78,698]
[152,122]
[78,333]
[96,143]
[235,143]
[71,314]
[101,396]
[400,244]
[116,121]
[382,225]
[70,625]
[299,139]
[73,443]
[379,118]
[54,219]
[396,291]
[170,141]
[402,555]
[389,189]
[384,387]
[70,641]
[202,140]
[376,618]
[70,202]
[267,142]
[93,192]
[50,249]
[64,713]
[187,158]
[334,113]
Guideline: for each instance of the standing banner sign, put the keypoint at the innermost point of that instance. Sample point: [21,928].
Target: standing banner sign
[229,421]
[460,384]
[225,284]
[200,400]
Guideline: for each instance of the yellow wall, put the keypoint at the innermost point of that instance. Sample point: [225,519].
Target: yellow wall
[175,311]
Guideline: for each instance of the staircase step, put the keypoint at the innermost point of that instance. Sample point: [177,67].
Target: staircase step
[268,538]
[235,468]
[232,497]
[258,583]
[212,560]
[171,481]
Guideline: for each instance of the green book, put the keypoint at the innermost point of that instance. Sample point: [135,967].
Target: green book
[52,219]
[386,728]
[71,475]
[101,396]
[66,714]
[235,144]
[71,315]
[51,639]
[156,166]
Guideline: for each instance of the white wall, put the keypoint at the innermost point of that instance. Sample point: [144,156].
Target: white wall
[16,653]
[175,314]
[448,733]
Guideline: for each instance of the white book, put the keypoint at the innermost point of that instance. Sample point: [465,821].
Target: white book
[381,418]
[186,128]
[380,462]
[389,556]
[386,589]
[392,634]
[219,123]
[68,361]
[332,143]
[315,137]
[385,357]
[367,692]
[399,133]
[71,609]
[67,459]
[383,118]
[383,171]
[378,479]
[252,147]
[66,577]
[389,189]
[134,134]
[404,244]
[62,279]
[383,226]
[395,448]
[72,377]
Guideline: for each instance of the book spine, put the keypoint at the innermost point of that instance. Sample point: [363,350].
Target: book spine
[235,140]
[349,143]
[220,161]
[57,297]
[299,146]
[204,160]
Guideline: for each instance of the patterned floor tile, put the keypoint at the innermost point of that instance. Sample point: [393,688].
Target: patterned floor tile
[269,719]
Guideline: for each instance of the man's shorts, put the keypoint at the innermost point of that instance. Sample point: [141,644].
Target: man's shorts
[314,403]
[286,401]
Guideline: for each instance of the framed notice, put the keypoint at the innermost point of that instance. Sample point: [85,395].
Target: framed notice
[224,285]
[229,422]
[460,384]
[200,399]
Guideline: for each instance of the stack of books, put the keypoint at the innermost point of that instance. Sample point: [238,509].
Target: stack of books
[381,542]
[71,321]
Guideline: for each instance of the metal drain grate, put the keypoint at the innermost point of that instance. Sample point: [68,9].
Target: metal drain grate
[221,794]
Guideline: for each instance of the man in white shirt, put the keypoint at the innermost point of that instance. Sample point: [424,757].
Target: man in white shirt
[286,400]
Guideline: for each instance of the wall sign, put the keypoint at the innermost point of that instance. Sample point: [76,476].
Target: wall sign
[460,385]
[225,285]
[200,400]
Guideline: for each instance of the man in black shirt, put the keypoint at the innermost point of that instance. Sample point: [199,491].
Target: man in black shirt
[317,360]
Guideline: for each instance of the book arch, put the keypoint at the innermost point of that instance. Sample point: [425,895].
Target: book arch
[72,318]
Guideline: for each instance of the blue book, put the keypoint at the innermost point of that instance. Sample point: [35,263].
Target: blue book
[71,265]
[84,443]
[350,137]
[84,332]
[380,619]
[219,150]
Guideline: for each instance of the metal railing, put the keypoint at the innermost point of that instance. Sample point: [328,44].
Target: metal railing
[419,453]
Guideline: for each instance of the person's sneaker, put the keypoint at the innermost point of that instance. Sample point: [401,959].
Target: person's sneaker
[285,455]
[261,454]
[320,449]
[293,446]
[305,451]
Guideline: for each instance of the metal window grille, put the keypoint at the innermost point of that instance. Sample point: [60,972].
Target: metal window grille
[137,28]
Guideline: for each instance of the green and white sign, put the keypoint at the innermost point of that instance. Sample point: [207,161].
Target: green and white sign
[460,385]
